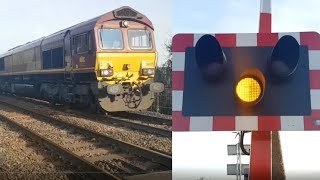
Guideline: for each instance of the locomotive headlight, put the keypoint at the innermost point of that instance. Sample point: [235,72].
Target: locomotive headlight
[115,89]
[156,87]
[124,24]
[106,72]
[148,71]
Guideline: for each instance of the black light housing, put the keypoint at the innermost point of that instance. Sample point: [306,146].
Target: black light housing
[210,57]
[260,76]
[285,57]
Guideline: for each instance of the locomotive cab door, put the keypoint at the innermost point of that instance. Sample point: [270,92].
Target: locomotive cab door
[67,55]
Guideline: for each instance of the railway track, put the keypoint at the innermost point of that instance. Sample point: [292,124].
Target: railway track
[135,124]
[101,156]
[144,118]
[149,124]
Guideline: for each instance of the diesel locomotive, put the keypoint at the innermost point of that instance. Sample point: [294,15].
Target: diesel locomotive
[107,62]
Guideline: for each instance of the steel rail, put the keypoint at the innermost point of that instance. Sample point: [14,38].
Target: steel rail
[160,158]
[145,118]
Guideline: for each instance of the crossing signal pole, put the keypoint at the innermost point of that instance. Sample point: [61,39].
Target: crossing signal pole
[261,141]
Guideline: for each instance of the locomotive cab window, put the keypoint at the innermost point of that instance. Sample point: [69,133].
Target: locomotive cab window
[111,39]
[1,64]
[80,43]
[139,39]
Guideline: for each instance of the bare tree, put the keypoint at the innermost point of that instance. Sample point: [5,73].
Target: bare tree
[163,102]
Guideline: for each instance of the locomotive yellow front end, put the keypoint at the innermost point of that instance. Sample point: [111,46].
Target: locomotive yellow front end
[126,59]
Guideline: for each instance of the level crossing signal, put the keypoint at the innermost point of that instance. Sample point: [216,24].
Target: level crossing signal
[252,75]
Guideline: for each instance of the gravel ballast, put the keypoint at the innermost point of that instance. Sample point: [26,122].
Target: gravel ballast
[22,158]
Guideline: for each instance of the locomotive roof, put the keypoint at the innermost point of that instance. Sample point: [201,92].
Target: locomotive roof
[125,13]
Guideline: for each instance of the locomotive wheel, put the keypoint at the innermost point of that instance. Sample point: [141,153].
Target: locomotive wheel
[93,106]
[52,102]
[44,95]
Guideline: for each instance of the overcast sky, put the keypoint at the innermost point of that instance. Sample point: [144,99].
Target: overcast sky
[204,154]
[24,21]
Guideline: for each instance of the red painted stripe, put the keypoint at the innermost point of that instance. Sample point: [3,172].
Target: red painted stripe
[309,120]
[269,123]
[180,122]
[265,23]
[260,155]
[311,39]
[181,41]
[267,39]
[224,123]
[177,80]
[226,40]
[315,79]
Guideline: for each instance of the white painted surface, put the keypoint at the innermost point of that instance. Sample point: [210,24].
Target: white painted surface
[315,98]
[178,60]
[314,59]
[201,123]
[246,39]
[244,123]
[292,123]
[177,97]
[265,6]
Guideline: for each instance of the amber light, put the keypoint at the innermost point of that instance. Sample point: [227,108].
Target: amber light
[248,89]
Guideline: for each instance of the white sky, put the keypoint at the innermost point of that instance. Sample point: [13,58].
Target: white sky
[204,154]
[24,21]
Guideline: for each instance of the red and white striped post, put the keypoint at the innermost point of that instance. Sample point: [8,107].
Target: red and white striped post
[261,141]
[265,16]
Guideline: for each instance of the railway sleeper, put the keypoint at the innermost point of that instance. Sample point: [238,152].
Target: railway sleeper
[106,157]
[122,170]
